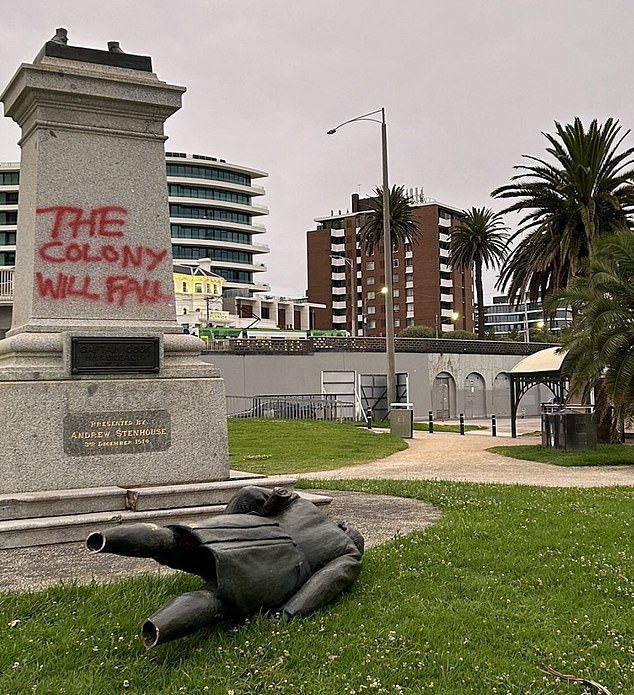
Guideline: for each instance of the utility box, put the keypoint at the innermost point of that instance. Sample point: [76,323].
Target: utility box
[570,430]
[402,420]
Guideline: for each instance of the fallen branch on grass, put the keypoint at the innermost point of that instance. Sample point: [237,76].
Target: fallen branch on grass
[583,681]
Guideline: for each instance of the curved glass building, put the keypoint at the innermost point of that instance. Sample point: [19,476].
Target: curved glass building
[213,215]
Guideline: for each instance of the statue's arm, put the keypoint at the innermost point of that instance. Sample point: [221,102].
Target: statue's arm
[335,577]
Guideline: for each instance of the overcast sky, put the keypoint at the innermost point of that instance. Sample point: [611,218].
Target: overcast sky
[468,87]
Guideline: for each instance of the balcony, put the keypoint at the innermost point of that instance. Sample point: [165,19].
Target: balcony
[6,286]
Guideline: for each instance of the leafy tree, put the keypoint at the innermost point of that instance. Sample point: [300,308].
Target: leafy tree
[600,341]
[403,228]
[418,332]
[586,191]
[479,240]
[541,335]
[459,335]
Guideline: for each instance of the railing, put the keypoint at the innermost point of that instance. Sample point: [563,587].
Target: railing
[290,407]
[342,344]
[6,285]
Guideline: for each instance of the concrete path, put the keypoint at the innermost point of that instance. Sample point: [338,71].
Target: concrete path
[449,456]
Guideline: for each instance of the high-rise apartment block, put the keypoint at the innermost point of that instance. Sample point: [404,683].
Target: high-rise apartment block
[349,281]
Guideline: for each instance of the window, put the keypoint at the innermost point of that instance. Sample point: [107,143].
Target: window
[369,265]
[8,197]
[184,286]
[371,295]
[397,323]
[199,172]
[184,310]
[395,277]
[7,238]
[178,191]
[395,262]
[9,217]
[266,312]
[209,288]
[9,178]
[183,231]
[203,213]
[198,288]
[410,322]
[396,307]
[372,323]
[371,310]
[370,281]
[396,293]
[409,262]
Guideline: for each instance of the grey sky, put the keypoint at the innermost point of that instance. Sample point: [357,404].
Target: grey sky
[468,87]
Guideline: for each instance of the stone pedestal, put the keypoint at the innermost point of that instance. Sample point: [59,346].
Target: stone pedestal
[98,387]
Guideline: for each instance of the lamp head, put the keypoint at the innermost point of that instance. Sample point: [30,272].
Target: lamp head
[332,131]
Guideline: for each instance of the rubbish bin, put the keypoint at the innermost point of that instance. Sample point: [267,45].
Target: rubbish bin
[570,430]
[402,420]
[577,431]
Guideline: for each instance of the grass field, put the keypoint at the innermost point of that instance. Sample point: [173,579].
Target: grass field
[603,455]
[300,446]
[509,580]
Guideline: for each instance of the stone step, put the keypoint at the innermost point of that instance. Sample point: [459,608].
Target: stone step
[26,505]
[168,496]
[22,533]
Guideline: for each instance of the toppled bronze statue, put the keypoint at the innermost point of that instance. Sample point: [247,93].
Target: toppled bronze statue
[270,551]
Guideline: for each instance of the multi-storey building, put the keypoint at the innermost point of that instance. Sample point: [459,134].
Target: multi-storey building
[349,282]
[212,213]
[211,216]
[503,317]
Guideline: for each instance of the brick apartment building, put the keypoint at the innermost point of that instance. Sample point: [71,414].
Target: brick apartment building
[426,290]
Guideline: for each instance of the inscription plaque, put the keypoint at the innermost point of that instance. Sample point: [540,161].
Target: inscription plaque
[114,355]
[127,432]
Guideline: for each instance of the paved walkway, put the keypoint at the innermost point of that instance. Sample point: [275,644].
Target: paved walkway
[438,456]
[449,456]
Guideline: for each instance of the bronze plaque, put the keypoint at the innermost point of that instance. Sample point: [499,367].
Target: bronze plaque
[128,432]
[114,355]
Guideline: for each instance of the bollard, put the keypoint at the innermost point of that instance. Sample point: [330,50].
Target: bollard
[494,427]
[431,422]
[461,423]
[368,418]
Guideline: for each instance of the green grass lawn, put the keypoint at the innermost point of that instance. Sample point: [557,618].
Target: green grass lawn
[300,446]
[603,455]
[509,580]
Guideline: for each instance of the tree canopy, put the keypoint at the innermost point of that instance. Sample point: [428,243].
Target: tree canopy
[600,342]
[585,191]
[403,227]
[479,240]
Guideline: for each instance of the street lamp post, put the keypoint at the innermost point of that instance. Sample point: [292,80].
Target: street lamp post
[353,294]
[387,250]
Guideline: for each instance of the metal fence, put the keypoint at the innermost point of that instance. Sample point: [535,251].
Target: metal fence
[290,407]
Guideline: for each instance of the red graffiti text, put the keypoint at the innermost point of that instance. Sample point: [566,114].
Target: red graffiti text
[74,248]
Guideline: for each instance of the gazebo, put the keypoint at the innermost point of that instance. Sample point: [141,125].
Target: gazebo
[543,367]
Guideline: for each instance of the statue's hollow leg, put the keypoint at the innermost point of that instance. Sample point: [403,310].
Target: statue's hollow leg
[181,616]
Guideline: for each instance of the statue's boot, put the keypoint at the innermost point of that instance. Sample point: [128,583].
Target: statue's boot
[181,616]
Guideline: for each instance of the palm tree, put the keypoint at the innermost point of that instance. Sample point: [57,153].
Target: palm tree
[478,240]
[402,226]
[600,342]
[585,193]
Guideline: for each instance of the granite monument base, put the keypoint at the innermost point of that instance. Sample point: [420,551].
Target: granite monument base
[96,432]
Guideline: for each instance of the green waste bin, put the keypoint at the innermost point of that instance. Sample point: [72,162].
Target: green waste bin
[402,420]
